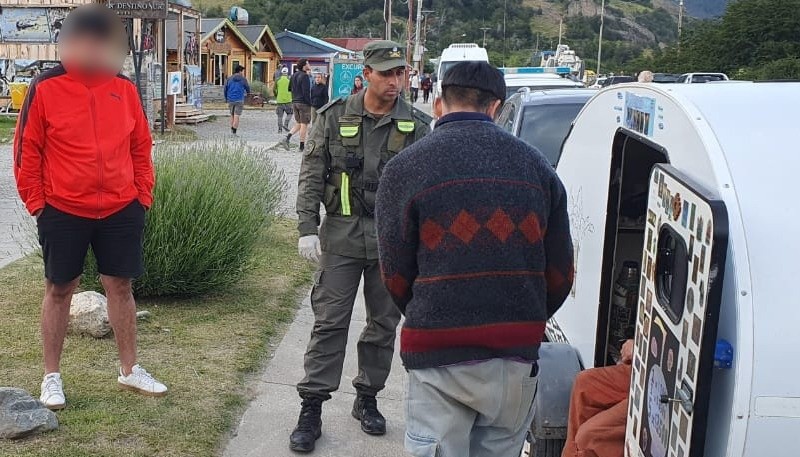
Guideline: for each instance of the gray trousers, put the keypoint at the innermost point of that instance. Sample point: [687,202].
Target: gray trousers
[335,288]
[477,410]
[280,110]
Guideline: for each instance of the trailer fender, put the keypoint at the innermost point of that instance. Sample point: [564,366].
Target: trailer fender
[559,364]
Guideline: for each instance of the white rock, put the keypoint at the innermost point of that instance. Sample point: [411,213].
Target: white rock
[88,315]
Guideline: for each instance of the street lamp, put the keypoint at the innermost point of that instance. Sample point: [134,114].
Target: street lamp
[425,14]
[485,29]
[600,40]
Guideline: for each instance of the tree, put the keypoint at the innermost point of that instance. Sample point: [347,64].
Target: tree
[755,39]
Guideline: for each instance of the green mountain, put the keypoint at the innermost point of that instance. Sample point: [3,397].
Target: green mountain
[513,30]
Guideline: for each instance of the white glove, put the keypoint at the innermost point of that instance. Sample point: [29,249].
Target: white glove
[309,247]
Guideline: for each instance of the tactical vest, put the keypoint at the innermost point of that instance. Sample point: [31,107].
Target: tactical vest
[350,189]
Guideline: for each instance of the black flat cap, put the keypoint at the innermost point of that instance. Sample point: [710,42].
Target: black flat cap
[477,75]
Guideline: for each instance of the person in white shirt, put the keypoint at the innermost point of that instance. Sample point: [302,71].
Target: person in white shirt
[413,82]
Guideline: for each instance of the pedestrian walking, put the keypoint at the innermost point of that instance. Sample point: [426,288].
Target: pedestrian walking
[426,85]
[279,72]
[283,99]
[236,89]
[413,82]
[358,85]
[351,141]
[319,95]
[476,252]
[83,168]
[300,86]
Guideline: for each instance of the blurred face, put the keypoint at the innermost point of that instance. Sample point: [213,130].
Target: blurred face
[359,83]
[319,79]
[92,54]
[385,85]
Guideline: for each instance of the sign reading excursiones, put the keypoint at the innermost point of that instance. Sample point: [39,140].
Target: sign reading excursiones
[145,9]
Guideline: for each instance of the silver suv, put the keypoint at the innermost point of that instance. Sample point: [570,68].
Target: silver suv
[543,118]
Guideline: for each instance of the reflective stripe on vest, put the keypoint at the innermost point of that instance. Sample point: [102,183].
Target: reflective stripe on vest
[348,131]
[344,192]
[405,126]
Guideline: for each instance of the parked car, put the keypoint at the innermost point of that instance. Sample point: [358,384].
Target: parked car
[611,80]
[695,78]
[665,78]
[543,118]
[542,81]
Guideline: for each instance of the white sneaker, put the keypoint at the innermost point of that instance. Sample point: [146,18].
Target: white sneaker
[142,382]
[53,392]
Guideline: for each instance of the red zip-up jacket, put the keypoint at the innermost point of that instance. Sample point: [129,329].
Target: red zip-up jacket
[83,145]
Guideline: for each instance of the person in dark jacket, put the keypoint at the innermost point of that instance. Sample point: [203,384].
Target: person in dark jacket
[300,86]
[475,249]
[319,94]
[236,89]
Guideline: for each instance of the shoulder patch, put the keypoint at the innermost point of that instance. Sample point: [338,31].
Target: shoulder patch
[331,103]
[421,116]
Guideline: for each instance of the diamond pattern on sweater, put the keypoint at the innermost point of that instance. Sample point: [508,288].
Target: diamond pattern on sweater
[531,229]
[397,285]
[501,225]
[431,234]
[465,227]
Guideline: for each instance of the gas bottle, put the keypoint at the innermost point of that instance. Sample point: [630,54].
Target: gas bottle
[623,302]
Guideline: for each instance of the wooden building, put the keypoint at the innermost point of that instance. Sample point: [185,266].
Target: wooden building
[268,53]
[29,28]
[29,31]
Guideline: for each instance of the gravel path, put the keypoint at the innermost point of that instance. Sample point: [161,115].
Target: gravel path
[259,129]
[16,228]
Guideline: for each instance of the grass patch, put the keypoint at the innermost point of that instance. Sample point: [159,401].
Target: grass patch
[179,134]
[204,349]
[7,125]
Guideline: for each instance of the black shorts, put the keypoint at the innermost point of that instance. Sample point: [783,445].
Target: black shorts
[116,242]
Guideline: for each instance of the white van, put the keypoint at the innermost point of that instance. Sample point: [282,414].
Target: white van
[533,81]
[691,188]
[454,54]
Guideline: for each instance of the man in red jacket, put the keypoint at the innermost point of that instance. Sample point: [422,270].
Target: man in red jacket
[82,161]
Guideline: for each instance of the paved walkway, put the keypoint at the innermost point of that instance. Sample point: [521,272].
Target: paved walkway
[265,427]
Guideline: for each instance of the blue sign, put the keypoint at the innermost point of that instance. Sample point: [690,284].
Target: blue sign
[535,70]
[343,77]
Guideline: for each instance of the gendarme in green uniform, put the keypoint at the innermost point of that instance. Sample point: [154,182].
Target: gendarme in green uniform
[350,146]
[342,166]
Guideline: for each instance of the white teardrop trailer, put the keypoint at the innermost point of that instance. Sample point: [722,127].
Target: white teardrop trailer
[698,184]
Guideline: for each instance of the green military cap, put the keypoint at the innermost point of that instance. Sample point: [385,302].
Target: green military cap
[384,55]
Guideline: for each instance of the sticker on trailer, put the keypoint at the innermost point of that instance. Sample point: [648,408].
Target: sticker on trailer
[640,114]
[676,328]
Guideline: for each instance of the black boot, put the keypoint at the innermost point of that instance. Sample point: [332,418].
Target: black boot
[365,409]
[309,426]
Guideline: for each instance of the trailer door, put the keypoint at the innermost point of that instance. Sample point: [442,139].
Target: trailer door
[679,301]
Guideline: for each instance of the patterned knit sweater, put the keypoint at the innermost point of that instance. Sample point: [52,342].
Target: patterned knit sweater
[474,244]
